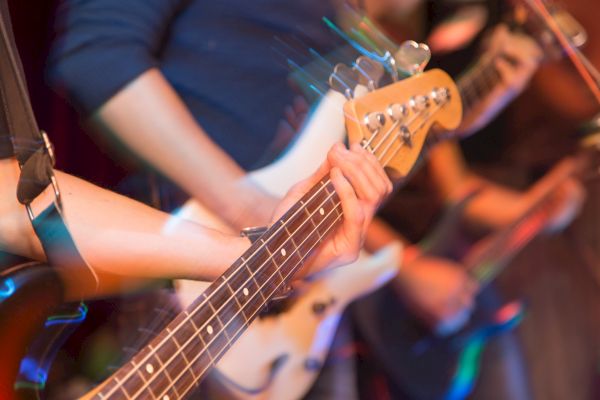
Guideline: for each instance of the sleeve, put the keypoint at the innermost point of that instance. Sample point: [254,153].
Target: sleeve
[102,45]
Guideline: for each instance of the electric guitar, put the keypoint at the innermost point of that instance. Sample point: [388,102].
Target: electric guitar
[429,364]
[181,355]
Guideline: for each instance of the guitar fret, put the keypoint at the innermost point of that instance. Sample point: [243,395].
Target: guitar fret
[478,83]
[292,240]
[185,380]
[283,252]
[160,381]
[257,286]
[128,386]
[234,295]
[170,394]
[307,213]
[247,288]
[124,392]
[141,374]
[228,311]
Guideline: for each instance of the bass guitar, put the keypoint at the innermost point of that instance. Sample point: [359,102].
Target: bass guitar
[182,354]
[433,365]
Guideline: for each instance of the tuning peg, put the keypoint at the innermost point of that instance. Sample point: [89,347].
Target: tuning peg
[389,59]
[344,79]
[369,72]
[412,57]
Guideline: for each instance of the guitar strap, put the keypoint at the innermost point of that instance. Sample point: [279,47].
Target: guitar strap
[20,137]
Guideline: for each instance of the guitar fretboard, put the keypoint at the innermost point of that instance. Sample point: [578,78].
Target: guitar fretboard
[478,82]
[178,358]
[506,244]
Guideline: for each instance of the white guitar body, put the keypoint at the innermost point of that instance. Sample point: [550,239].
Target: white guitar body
[279,356]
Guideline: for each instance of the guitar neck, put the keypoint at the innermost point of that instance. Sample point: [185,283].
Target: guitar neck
[505,245]
[478,82]
[180,356]
[490,260]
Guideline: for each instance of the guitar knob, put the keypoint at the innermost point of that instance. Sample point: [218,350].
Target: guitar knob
[440,95]
[370,72]
[418,103]
[374,121]
[397,111]
[412,57]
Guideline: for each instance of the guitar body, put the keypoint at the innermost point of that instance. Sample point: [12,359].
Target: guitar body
[280,356]
[29,293]
[420,364]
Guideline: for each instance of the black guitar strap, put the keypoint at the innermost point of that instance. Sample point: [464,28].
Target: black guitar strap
[20,137]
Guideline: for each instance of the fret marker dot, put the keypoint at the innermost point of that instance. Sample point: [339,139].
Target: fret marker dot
[166,397]
[246,292]
[283,252]
[322,211]
[209,329]
[149,368]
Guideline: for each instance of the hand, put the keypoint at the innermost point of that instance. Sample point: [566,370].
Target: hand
[361,185]
[516,57]
[566,204]
[458,30]
[438,291]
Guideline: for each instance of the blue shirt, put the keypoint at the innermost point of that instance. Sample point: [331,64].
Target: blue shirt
[222,57]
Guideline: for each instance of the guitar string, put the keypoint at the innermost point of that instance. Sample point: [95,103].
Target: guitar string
[276,288]
[491,271]
[469,85]
[421,126]
[540,210]
[527,233]
[188,315]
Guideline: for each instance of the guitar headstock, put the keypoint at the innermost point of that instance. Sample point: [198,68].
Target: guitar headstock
[393,121]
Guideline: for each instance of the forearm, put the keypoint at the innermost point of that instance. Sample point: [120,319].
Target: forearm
[149,117]
[143,241]
[492,207]
[124,240]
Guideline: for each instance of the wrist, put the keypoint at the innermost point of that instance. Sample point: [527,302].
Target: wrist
[254,207]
